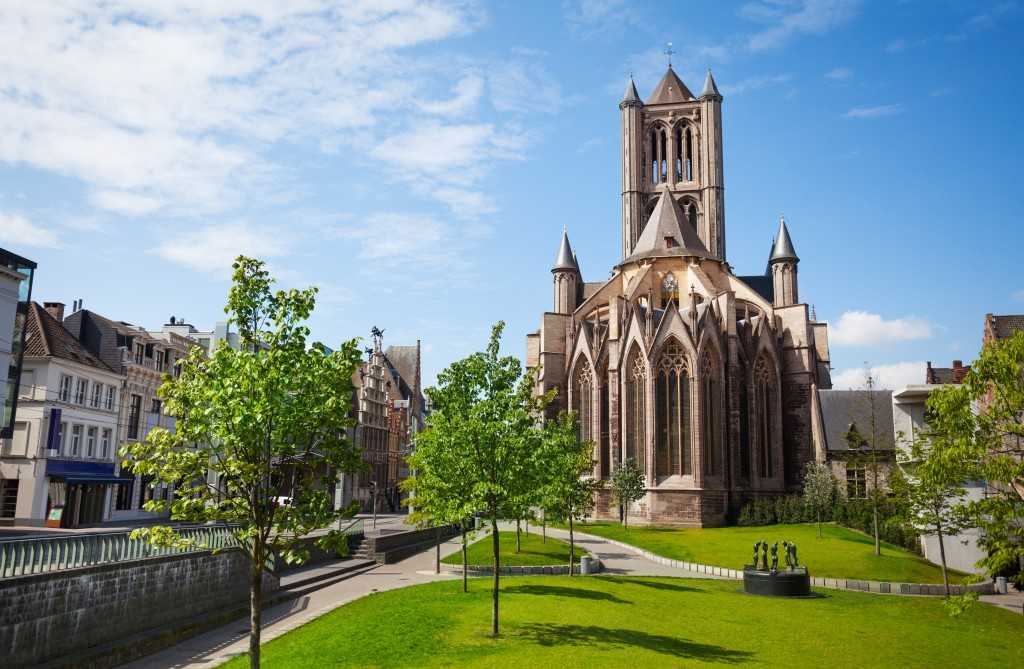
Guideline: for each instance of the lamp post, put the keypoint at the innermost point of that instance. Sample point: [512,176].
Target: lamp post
[373,501]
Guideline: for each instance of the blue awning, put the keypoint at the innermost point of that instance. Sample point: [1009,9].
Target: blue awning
[92,479]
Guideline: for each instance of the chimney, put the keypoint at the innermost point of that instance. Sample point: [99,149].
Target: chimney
[55,309]
[957,364]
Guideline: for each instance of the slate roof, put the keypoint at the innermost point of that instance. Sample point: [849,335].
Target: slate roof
[566,259]
[761,284]
[46,337]
[670,89]
[668,233]
[710,88]
[783,249]
[841,408]
[631,94]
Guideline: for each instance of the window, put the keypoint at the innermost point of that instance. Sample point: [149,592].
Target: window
[63,437]
[76,439]
[709,391]
[139,353]
[133,416]
[764,398]
[156,406]
[8,497]
[105,443]
[90,442]
[125,494]
[81,388]
[856,482]
[111,398]
[672,414]
[583,400]
[160,357]
[744,424]
[636,389]
[97,395]
[65,388]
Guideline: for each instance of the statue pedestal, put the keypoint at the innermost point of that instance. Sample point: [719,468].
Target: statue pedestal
[782,583]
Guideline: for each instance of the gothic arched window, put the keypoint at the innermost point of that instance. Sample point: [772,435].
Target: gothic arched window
[744,422]
[764,398]
[672,413]
[669,291]
[663,155]
[711,414]
[677,144]
[583,399]
[636,410]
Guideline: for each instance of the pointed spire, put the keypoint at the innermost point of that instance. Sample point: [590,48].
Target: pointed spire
[566,259]
[670,89]
[668,233]
[710,88]
[631,96]
[782,248]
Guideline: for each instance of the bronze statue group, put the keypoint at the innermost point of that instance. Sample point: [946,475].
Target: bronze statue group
[763,547]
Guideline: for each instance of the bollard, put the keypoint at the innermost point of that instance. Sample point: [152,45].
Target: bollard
[1001,585]
[585,567]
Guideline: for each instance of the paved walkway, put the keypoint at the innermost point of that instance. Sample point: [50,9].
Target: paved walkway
[1012,601]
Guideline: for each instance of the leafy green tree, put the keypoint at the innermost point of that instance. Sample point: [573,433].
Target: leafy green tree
[866,453]
[976,432]
[250,417]
[487,417]
[568,464]
[819,489]
[628,486]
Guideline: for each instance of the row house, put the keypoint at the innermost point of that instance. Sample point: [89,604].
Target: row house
[60,465]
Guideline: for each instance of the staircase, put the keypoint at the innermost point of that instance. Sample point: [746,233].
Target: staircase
[362,549]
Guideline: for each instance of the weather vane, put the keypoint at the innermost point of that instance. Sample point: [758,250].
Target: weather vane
[669,52]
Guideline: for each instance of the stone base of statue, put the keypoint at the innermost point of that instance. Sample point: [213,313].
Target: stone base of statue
[782,583]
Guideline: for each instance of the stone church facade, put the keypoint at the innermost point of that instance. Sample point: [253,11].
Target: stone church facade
[707,379]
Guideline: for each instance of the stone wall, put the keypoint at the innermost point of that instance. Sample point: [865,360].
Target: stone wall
[46,616]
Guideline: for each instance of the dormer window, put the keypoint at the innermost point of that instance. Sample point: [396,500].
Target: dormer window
[671,242]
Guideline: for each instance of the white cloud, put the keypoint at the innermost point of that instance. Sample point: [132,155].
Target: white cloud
[891,376]
[986,20]
[466,203]
[438,148]
[214,247]
[877,111]
[839,73]
[465,96]
[394,236]
[860,328]
[754,83]
[789,19]
[124,202]
[524,86]
[16,230]
[589,18]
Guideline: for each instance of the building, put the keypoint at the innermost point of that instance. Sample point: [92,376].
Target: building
[389,411]
[941,375]
[61,461]
[845,414]
[208,340]
[142,358]
[706,378]
[16,274]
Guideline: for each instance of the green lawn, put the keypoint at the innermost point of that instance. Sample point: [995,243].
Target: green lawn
[533,551]
[602,621]
[840,553]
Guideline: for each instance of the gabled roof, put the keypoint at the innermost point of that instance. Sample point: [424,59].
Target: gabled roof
[631,95]
[670,89]
[710,88]
[668,233]
[46,337]
[842,408]
[783,249]
[566,259]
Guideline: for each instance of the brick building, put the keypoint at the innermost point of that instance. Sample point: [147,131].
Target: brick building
[706,378]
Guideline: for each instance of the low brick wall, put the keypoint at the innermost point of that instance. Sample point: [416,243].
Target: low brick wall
[880,587]
[391,548]
[59,614]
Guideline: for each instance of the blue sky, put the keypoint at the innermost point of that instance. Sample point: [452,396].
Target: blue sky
[417,160]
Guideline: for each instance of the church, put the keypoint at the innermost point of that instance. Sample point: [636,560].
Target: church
[705,378]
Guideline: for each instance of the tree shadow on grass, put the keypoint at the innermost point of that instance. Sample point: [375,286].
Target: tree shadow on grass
[592,635]
[656,585]
[562,591]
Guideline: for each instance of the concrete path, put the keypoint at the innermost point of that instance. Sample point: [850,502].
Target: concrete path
[1013,600]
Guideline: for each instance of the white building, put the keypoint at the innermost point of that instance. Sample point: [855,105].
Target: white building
[61,459]
[207,339]
[908,412]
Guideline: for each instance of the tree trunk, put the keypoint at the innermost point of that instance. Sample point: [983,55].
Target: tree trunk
[465,560]
[572,545]
[942,554]
[517,535]
[874,521]
[494,583]
[625,516]
[255,608]
[819,523]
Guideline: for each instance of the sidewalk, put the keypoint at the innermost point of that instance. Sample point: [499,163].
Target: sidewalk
[1013,600]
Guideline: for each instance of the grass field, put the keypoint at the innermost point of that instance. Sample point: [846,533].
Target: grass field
[533,551]
[840,553]
[602,621]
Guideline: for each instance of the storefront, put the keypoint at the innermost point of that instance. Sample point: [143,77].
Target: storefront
[78,491]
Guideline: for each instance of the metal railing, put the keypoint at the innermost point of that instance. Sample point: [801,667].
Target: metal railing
[37,555]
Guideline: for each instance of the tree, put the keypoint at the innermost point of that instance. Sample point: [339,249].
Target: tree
[819,489]
[272,409]
[926,498]
[865,452]
[568,487]
[628,486]
[486,415]
[976,432]
[441,487]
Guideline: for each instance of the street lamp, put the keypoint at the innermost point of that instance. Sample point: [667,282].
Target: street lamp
[373,501]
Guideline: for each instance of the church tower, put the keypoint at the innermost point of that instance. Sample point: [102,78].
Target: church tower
[673,142]
[566,278]
[782,267]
